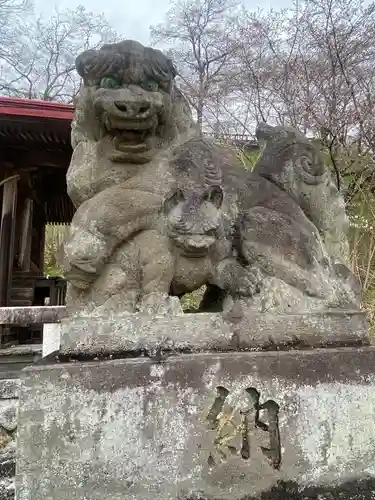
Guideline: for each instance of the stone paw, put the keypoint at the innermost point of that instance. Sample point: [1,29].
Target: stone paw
[85,252]
[160,304]
[79,278]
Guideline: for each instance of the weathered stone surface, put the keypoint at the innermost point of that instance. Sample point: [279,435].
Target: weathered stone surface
[9,394]
[9,389]
[162,212]
[31,315]
[274,425]
[8,415]
[8,462]
[118,334]
[7,489]
[121,145]
[12,361]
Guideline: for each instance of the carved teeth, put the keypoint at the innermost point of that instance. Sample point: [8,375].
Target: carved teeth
[132,136]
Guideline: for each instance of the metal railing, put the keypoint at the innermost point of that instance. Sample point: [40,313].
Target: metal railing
[240,139]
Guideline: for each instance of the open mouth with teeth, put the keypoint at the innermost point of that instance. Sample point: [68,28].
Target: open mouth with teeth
[130,137]
[131,140]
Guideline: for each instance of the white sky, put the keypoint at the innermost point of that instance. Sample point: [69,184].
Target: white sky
[132,18]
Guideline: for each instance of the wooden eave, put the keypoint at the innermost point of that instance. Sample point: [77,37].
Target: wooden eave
[35,138]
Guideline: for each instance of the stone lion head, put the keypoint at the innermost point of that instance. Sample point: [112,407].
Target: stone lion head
[129,102]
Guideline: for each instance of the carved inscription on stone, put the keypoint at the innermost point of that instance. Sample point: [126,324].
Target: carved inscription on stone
[234,428]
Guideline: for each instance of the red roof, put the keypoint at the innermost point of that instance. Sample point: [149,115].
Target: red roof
[35,135]
[35,108]
[26,122]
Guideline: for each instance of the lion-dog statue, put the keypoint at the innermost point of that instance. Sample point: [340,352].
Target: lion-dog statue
[161,211]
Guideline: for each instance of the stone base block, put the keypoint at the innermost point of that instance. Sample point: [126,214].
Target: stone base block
[9,392]
[256,425]
[97,335]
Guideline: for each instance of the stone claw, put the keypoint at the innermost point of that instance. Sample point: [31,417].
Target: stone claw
[249,283]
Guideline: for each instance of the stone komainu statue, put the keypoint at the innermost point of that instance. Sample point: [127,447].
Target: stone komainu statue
[161,212]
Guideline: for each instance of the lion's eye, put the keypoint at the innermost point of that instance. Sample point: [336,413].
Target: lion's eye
[150,85]
[108,82]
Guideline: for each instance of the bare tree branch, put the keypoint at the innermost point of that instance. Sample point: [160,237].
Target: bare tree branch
[39,62]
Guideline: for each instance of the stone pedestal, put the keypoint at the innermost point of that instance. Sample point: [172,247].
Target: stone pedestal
[293,424]
[134,334]
[9,391]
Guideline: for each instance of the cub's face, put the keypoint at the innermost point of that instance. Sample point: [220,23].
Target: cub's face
[193,220]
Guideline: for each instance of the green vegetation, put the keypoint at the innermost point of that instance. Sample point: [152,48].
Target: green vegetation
[54,238]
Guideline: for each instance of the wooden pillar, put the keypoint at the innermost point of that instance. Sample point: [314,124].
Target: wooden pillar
[37,242]
[24,259]
[7,234]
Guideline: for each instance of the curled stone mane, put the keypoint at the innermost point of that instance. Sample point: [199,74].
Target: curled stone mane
[115,58]
[292,162]
[198,162]
[286,144]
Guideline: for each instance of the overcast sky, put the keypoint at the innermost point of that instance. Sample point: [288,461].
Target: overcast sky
[132,18]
